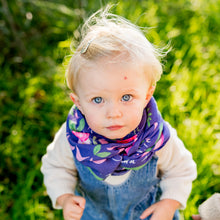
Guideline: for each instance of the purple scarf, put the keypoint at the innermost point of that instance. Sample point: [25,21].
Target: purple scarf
[103,156]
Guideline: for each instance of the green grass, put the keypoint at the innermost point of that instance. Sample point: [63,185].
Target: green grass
[34,100]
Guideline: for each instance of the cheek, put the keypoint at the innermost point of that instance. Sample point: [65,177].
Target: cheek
[92,121]
[135,116]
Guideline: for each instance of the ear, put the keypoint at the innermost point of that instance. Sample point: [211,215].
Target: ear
[150,93]
[76,101]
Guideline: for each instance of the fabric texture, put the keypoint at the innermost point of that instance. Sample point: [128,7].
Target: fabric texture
[210,209]
[103,156]
[125,201]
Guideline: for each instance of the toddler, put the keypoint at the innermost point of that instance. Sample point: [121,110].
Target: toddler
[115,157]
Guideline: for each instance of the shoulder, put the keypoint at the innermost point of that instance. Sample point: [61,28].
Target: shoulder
[60,136]
[173,148]
[174,151]
[174,140]
[60,144]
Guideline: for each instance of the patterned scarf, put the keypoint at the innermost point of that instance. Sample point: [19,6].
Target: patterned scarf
[103,156]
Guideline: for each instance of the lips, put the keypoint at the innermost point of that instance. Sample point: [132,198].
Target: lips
[114,127]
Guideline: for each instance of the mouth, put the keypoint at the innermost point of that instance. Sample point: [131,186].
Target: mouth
[114,127]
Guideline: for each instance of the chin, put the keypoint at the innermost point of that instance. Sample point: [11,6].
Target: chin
[114,137]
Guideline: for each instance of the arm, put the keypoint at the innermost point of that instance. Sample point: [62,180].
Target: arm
[178,170]
[58,168]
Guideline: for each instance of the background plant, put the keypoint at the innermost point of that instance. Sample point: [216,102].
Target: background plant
[34,42]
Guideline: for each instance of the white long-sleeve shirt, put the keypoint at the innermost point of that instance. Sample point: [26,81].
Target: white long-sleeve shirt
[175,165]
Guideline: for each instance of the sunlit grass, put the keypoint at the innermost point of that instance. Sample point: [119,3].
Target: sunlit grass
[34,99]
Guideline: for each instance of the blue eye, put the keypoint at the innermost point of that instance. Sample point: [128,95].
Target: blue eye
[97,100]
[126,98]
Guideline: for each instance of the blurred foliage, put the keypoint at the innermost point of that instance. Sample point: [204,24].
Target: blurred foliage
[35,38]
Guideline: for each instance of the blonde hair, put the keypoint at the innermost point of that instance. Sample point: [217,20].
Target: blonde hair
[109,35]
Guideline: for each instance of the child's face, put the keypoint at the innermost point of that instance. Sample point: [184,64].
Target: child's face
[112,97]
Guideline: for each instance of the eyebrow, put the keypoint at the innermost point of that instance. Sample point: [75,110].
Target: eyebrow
[92,95]
[129,91]
[97,94]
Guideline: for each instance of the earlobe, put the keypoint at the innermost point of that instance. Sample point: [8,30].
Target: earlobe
[75,100]
[73,97]
[150,93]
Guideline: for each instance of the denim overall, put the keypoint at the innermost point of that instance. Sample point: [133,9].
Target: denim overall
[125,201]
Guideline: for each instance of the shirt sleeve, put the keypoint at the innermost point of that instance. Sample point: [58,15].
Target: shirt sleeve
[58,168]
[177,169]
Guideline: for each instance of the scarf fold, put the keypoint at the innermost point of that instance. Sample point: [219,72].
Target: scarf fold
[103,156]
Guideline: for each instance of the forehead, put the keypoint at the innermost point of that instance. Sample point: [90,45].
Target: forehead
[108,68]
[117,63]
[109,76]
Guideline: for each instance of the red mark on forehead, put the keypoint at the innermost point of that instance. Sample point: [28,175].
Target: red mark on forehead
[125,77]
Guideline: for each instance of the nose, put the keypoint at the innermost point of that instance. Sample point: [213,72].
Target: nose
[114,111]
